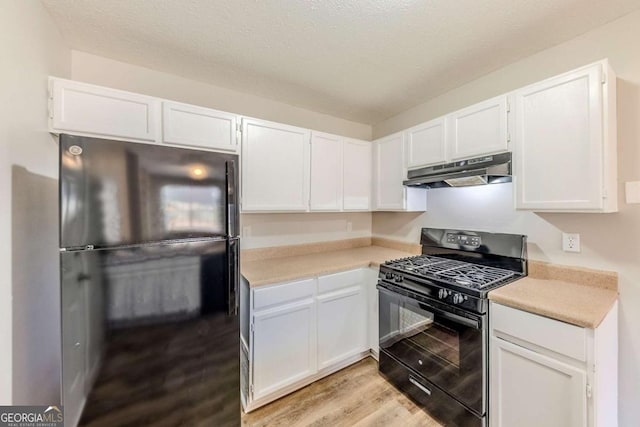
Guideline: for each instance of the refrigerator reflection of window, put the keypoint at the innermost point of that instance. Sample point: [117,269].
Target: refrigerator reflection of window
[188,208]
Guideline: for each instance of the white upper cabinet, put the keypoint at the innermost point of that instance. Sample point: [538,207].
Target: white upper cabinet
[390,171]
[275,166]
[565,142]
[357,175]
[198,127]
[426,144]
[326,172]
[86,109]
[479,129]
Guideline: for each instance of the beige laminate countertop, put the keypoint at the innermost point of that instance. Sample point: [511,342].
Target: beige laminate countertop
[583,305]
[273,270]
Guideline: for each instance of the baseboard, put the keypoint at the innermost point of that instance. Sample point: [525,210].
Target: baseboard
[250,406]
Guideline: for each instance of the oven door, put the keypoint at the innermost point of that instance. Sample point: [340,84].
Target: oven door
[441,343]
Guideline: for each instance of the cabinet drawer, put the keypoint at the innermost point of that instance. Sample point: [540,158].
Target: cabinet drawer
[332,282]
[554,335]
[286,292]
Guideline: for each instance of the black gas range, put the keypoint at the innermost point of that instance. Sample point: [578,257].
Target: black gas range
[433,319]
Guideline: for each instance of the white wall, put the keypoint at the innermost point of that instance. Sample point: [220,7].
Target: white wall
[31,49]
[609,241]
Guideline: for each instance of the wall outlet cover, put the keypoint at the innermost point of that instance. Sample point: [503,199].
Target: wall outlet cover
[571,242]
[632,192]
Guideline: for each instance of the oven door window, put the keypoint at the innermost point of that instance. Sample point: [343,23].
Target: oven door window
[444,348]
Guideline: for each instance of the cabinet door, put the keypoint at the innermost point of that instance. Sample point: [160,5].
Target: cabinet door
[558,145]
[357,175]
[426,143]
[326,172]
[284,346]
[92,110]
[275,166]
[479,129]
[342,317]
[199,127]
[390,171]
[528,389]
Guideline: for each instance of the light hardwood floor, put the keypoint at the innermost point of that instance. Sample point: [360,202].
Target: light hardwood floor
[354,396]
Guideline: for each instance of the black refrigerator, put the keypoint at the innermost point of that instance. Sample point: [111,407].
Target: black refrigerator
[149,253]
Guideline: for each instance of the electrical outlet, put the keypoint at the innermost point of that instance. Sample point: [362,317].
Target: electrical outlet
[571,242]
[349,226]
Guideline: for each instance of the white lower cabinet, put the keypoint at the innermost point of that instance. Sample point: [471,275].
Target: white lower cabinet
[342,317]
[301,331]
[532,387]
[544,372]
[284,347]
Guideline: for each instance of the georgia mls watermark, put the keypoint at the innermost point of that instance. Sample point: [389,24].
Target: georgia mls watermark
[31,416]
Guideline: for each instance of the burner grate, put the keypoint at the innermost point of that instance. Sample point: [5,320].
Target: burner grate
[451,271]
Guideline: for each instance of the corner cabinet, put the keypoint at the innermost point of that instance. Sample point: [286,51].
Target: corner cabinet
[390,170]
[342,317]
[547,372]
[297,332]
[565,144]
[356,175]
[326,172]
[275,166]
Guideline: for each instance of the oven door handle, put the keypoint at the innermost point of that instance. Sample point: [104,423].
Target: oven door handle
[472,323]
[475,324]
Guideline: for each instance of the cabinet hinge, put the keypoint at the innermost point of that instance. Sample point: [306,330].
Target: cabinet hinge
[251,390]
[251,327]
[589,392]
[238,132]
[604,78]
[508,137]
[508,106]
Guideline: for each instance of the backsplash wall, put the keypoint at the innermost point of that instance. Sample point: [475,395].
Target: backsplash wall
[264,230]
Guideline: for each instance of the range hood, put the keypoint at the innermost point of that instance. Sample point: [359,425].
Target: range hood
[483,170]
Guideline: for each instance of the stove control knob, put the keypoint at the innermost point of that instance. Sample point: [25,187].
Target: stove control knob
[458,298]
[442,293]
[388,276]
[398,279]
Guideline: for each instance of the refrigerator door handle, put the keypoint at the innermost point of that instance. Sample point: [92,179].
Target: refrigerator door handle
[234,276]
[232,199]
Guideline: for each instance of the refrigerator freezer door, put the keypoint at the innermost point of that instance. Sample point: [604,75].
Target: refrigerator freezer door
[154,334]
[115,193]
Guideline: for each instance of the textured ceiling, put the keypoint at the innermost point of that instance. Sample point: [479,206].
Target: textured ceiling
[363,60]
